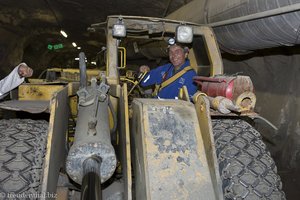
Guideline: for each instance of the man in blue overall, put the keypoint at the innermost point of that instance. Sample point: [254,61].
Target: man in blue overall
[169,78]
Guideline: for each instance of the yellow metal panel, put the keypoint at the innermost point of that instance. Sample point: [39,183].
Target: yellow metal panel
[36,80]
[73,87]
[37,92]
[193,61]
[125,143]
[92,72]
[212,49]
[73,105]
[169,151]
[55,70]
[184,94]
[56,141]
[202,109]
[74,74]
[111,119]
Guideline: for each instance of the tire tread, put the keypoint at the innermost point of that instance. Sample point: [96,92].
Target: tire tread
[22,152]
[247,169]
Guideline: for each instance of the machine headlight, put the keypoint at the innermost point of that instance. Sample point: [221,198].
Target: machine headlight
[119,30]
[184,34]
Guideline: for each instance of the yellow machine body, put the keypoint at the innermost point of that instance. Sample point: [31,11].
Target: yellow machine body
[169,148]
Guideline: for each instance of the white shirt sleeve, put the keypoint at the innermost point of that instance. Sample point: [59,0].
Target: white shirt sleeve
[10,82]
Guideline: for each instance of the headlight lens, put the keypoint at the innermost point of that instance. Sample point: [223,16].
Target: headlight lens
[184,34]
[119,30]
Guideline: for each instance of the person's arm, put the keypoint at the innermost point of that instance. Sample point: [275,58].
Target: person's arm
[152,77]
[14,79]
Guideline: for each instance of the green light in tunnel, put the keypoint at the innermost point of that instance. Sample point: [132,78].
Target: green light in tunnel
[58,46]
[55,46]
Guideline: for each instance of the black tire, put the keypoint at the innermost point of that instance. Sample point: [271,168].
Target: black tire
[22,152]
[246,167]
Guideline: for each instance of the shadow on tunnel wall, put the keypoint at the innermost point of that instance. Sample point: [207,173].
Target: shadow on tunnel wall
[276,76]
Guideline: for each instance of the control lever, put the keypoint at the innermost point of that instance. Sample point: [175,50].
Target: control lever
[137,82]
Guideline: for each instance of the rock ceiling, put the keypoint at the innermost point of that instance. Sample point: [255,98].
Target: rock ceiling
[27,27]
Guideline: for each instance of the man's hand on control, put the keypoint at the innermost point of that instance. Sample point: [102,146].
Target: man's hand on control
[24,70]
[144,68]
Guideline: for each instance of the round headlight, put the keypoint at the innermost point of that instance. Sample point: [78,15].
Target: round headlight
[171,41]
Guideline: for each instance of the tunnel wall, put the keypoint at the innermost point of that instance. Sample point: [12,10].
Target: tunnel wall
[16,48]
[11,51]
[276,77]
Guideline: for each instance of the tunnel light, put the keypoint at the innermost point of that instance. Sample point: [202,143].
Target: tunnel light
[93,63]
[84,59]
[184,34]
[78,47]
[63,33]
[74,44]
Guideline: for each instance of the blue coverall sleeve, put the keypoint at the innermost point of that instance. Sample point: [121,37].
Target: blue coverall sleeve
[10,82]
[153,77]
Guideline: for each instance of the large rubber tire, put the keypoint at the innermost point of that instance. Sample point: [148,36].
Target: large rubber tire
[22,152]
[246,167]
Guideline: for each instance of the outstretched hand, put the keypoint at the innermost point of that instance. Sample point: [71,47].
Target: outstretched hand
[24,70]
